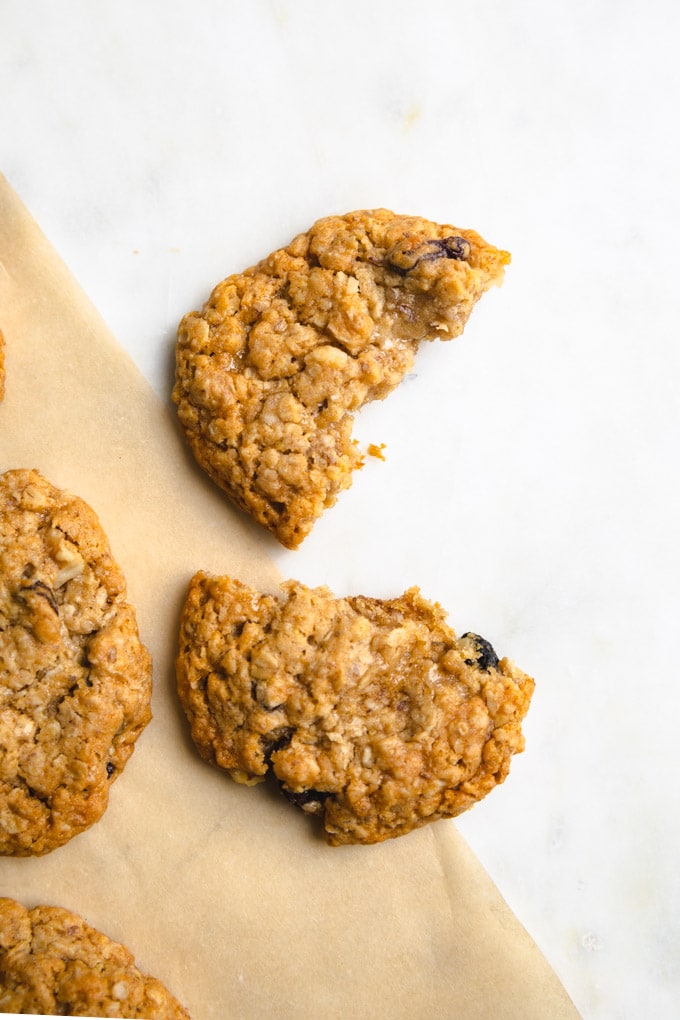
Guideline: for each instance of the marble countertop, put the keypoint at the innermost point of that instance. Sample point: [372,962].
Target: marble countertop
[531,476]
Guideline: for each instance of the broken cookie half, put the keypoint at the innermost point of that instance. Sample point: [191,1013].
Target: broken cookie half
[271,371]
[369,713]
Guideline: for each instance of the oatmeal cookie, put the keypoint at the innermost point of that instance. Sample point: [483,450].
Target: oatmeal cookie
[369,713]
[52,962]
[75,680]
[269,374]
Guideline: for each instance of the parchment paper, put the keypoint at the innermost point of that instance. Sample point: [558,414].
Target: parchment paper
[226,894]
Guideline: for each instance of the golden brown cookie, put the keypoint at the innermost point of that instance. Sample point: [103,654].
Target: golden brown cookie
[270,373]
[52,962]
[369,713]
[75,680]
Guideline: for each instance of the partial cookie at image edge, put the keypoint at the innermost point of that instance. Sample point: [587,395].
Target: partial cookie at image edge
[75,679]
[53,962]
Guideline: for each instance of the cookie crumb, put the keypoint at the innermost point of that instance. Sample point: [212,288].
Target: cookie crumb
[374,450]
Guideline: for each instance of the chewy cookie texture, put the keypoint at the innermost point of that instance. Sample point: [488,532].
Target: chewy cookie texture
[52,962]
[75,680]
[270,372]
[369,713]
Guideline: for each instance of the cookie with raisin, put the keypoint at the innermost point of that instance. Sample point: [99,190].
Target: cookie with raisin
[75,679]
[270,373]
[369,713]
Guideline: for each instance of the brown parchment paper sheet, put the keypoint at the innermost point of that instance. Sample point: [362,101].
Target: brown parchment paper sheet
[226,894]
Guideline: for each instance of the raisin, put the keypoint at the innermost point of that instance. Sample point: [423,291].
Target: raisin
[277,740]
[484,654]
[110,769]
[41,589]
[457,248]
[408,254]
[310,801]
[259,694]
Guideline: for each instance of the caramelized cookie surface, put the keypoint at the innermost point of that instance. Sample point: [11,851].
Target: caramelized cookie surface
[52,962]
[270,373]
[75,679]
[369,713]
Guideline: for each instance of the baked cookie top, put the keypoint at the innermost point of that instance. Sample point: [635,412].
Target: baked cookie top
[369,713]
[52,962]
[75,680]
[270,372]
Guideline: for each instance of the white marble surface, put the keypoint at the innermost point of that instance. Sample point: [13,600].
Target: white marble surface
[531,480]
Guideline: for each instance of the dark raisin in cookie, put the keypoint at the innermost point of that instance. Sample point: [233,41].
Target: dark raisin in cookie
[270,373]
[371,714]
[75,680]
